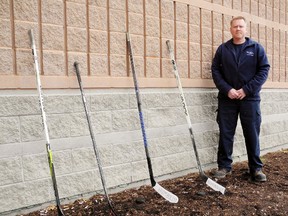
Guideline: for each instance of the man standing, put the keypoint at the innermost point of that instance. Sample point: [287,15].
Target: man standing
[239,69]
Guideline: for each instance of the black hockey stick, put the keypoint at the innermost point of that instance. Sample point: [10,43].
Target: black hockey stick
[214,185]
[43,114]
[96,152]
[162,191]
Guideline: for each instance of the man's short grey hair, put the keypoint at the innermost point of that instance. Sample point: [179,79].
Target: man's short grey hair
[237,18]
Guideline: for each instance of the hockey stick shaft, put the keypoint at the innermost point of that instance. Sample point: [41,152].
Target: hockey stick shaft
[96,151]
[163,192]
[44,122]
[209,181]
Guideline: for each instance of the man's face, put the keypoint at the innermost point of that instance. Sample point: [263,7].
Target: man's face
[238,29]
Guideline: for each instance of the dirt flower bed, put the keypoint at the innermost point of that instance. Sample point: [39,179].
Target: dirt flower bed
[242,197]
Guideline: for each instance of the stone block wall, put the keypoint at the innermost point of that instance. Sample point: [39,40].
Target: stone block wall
[25,181]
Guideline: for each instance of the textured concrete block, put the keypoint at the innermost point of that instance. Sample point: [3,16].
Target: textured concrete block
[26,10]
[59,104]
[206,53]
[99,42]
[117,4]
[195,69]
[84,159]
[31,128]
[10,171]
[208,155]
[101,122]
[99,65]
[54,63]
[5,36]
[6,61]
[32,193]
[117,43]
[25,63]
[53,12]
[137,42]
[139,171]
[77,39]
[194,16]
[206,36]
[59,125]
[21,32]
[98,18]
[10,131]
[78,125]
[52,37]
[166,68]
[118,175]
[76,15]
[117,20]
[81,58]
[136,23]
[35,167]
[182,68]
[98,3]
[109,102]
[246,6]
[123,120]
[194,52]
[194,32]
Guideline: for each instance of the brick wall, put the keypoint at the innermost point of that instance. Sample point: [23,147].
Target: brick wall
[93,33]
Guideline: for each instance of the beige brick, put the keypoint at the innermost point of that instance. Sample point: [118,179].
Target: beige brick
[282,17]
[76,15]
[152,8]
[117,21]
[54,63]
[254,7]
[152,47]
[6,61]
[237,5]
[81,58]
[194,34]
[52,37]
[5,36]
[269,13]
[182,50]
[254,31]
[135,6]
[276,17]
[167,29]
[5,9]
[136,24]
[246,6]
[152,26]
[194,51]
[195,70]
[77,39]
[99,65]
[228,3]
[206,70]
[206,53]
[181,31]
[182,66]
[194,16]
[21,32]
[118,4]
[53,12]
[167,70]
[165,51]
[139,66]
[98,18]
[206,36]
[98,42]
[181,12]
[217,20]
[152,67]
[26,10]
[118,65]
[25,63]
[118,43]
[137,42]
[98,3]
[217,37]
[167,10]
[226,21]
[206,18]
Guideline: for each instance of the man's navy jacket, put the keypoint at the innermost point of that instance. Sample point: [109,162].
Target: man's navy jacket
[249,73]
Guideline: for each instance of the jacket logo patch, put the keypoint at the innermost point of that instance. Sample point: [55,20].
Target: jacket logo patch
[249,53]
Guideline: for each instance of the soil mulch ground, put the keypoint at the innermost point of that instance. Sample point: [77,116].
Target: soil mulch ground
[242,197]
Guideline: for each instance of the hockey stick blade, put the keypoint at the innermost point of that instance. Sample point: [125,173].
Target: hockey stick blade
[165,194]
[215,186]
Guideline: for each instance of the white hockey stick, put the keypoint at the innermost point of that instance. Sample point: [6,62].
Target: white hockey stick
[214,185]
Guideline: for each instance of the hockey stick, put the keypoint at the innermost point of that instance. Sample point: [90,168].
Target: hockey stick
[43,114]
[162,191]
[214,185]
[96,152]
